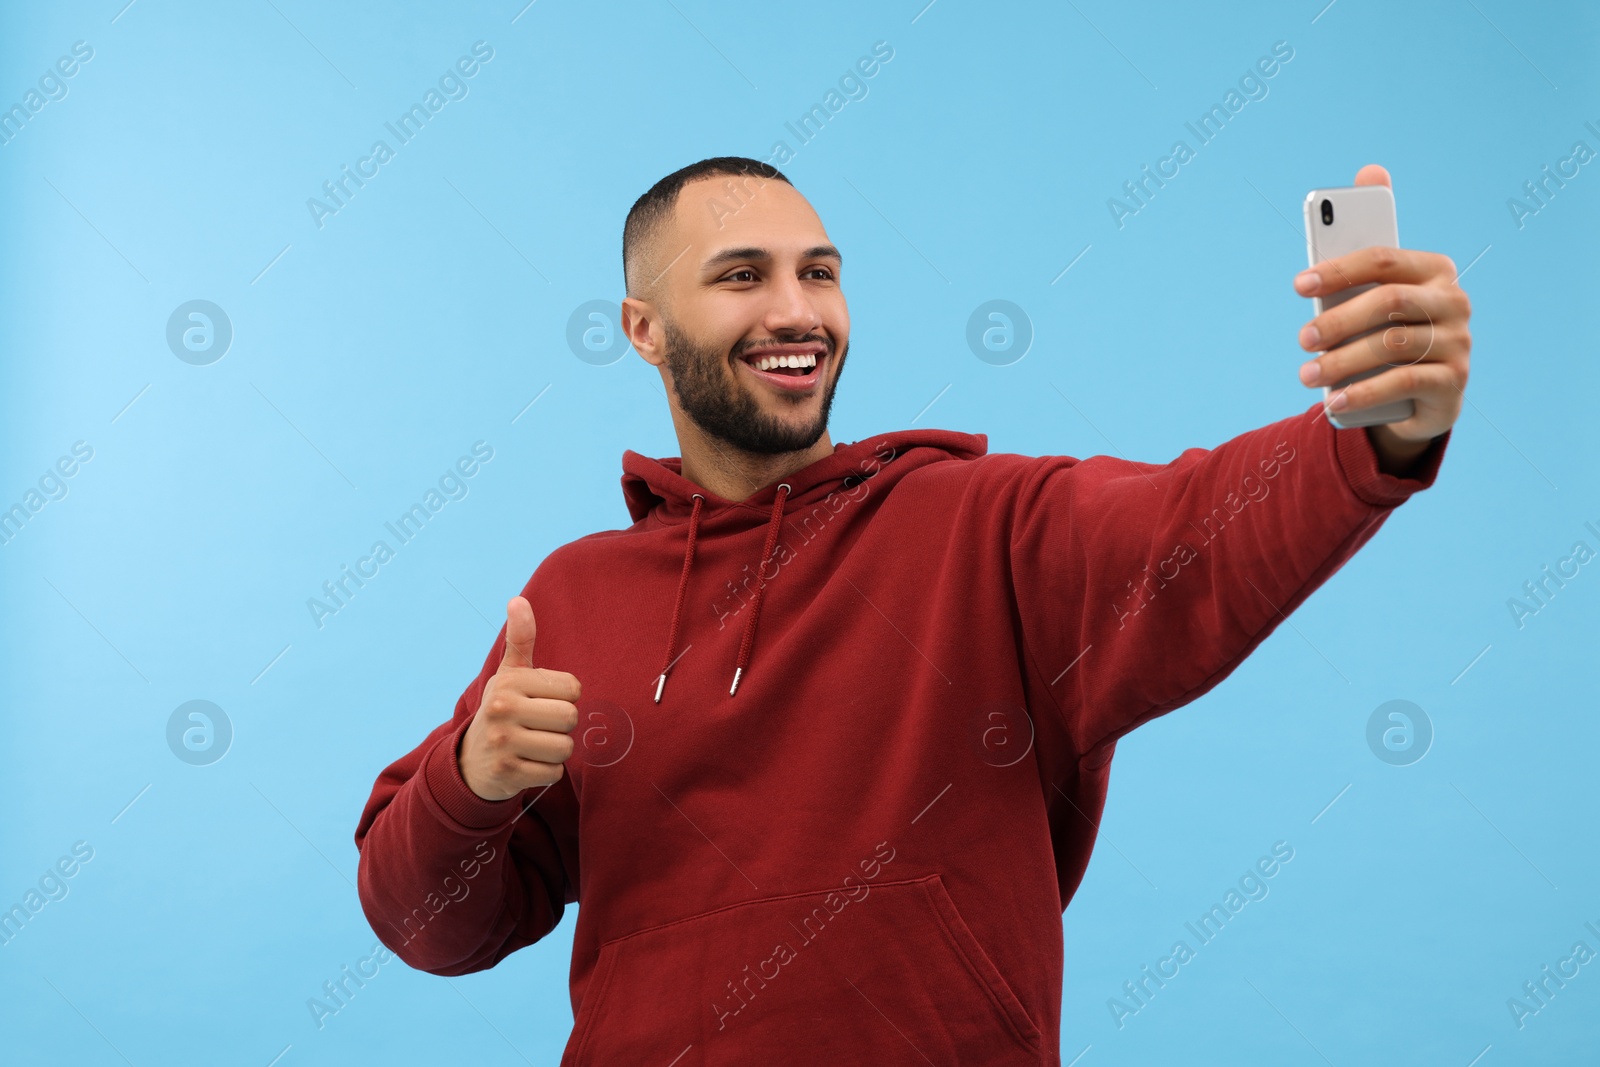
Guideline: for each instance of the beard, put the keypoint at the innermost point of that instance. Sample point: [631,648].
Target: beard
[726,411]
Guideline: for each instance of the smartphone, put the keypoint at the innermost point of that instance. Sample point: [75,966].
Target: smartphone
[1339,221]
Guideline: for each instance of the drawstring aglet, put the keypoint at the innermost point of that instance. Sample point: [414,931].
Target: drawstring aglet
[732,689]
[661,683]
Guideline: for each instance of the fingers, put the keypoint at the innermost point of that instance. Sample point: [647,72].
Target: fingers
[517,740]
[1389,310]
[1374,264]
[1431,386]
[1373,174]
[538,746]
[521,742]
[514,773]
[530,746]
[539,682]
[1392,346]
[519,634]
[520,736]
[532,773]
[515,709]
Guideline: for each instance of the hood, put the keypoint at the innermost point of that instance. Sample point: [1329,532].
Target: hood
[657,487]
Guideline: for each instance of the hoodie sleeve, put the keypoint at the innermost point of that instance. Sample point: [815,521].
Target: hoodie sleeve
[1140,586]
[453,883]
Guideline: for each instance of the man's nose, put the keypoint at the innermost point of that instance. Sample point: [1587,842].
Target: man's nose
[791,309]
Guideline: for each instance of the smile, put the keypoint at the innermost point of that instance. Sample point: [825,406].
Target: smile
[790,368]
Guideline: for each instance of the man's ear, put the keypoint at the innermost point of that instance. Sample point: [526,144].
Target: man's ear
[642,325]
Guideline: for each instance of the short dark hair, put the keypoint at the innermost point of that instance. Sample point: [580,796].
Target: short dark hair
[652,209]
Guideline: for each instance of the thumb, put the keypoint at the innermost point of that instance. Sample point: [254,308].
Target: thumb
[519,634]
[1372,174]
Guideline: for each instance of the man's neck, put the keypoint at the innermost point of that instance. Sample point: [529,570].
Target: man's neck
[735,474]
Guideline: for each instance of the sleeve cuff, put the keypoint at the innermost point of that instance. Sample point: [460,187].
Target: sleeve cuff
[1358,459]
[450,798]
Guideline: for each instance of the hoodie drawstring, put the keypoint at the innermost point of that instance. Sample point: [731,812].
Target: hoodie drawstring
[761,584]
[677,604]
[747,642]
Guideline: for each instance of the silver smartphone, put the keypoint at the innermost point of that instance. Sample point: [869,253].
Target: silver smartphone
[1340,221]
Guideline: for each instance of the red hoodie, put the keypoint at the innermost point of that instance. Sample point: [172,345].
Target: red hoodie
[843,746]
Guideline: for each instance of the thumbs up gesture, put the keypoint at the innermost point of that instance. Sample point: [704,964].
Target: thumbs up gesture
[521,733]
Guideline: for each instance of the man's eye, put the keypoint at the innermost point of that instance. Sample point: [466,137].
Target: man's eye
[741,275]
[823,271]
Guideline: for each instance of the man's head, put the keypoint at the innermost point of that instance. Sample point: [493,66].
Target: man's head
[726,265]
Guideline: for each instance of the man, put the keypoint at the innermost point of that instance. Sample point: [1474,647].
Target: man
[821,741]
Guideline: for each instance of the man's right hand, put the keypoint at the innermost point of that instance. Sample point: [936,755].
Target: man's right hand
[521,733]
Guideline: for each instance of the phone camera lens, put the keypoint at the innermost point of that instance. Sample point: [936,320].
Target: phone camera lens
[1327,212]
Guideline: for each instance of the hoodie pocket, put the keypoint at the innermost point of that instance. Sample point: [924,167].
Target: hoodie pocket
[892,974]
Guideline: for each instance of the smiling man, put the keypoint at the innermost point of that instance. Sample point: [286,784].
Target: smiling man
[847,830]
[733,288]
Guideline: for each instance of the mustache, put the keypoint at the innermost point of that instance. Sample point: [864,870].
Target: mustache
[811,338]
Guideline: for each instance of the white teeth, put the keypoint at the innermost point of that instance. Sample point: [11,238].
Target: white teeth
[772,362]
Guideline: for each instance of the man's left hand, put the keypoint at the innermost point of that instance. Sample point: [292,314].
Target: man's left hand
[1426,344]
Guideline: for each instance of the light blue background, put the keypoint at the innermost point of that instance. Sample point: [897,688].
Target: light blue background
[430,311]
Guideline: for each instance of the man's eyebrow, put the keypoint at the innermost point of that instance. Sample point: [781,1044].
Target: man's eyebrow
[730,255]
[753,254]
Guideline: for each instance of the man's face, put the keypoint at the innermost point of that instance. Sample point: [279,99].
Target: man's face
[749,274]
